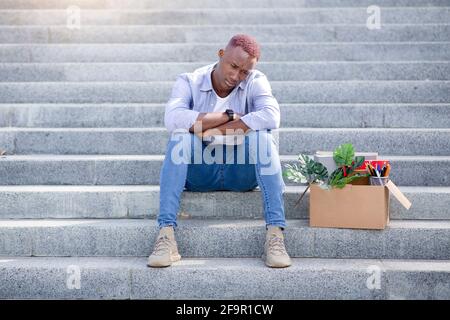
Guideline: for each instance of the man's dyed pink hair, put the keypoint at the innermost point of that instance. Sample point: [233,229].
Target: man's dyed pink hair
[247,43]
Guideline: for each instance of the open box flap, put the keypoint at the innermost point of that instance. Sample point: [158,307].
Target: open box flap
[398,194]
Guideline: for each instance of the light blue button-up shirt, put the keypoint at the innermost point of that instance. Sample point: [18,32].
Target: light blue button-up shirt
[193,94]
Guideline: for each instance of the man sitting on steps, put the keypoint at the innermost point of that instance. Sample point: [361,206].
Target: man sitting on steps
[226,99]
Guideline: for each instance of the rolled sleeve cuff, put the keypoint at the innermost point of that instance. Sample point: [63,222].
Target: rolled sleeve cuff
[249,120]
[190,120]
[181,120]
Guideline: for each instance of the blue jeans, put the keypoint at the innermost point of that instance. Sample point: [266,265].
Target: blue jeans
[190,163]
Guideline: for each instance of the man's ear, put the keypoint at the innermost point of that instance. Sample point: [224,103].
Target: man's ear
[220,53]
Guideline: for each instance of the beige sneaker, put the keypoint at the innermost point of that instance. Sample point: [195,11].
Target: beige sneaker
[166,250]
[275,254]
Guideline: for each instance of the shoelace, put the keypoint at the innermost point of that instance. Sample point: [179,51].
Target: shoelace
[276,244]
[161,245]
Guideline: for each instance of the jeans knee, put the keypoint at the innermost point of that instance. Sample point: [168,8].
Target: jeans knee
[260,144]
[260,133]
[260,137]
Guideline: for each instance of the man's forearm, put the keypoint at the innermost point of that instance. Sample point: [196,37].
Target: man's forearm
[209,120]
[233,127]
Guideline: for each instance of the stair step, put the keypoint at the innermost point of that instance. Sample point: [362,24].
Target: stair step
[145,169]
[188,52]
[419,15]
[129,115]
[129,278]
[175,4]
[222,238]
[275,71]
[71,206]
[292,141]
[284,91]
[189,33]
[78,202]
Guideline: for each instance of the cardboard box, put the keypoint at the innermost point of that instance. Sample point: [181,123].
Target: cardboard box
[354,206]
[358,205]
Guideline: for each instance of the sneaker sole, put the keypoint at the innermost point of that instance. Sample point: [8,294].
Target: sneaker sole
[273,265]
[173,259]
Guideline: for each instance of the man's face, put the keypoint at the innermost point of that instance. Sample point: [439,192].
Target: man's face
[234,66]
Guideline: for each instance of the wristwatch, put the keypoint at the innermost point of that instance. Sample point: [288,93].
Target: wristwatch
[230,114]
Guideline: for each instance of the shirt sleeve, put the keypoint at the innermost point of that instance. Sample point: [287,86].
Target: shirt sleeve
[266,114]
[177,114]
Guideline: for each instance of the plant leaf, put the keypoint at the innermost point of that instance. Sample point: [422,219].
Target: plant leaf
[343,155]
[359,160]
[307,171]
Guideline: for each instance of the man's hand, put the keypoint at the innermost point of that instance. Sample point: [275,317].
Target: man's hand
[237,116]
[232,127]
[220,130]
[211,132]
[208,120]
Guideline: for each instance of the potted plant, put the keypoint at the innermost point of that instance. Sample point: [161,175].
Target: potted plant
[309,171]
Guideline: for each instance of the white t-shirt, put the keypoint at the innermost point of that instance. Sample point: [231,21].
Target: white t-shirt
[221,103]
[221,106]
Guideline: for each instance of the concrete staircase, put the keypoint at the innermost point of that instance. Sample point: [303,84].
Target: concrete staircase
[81,116]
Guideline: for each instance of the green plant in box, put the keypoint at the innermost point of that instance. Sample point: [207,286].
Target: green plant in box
[310,171]
[344,157]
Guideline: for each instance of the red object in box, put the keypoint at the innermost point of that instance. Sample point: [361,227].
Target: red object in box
[374,163]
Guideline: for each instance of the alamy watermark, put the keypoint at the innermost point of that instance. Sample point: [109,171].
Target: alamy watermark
[373,282]
[73,17]
[374,20]
[73,281]
[188,148]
